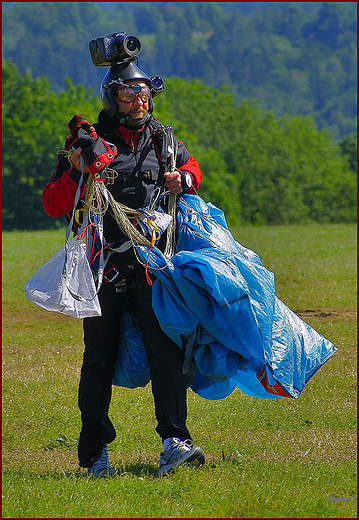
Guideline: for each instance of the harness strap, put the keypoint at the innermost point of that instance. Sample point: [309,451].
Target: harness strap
[121,249]
[162,138]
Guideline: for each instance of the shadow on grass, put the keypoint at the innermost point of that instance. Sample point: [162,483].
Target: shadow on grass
[137,469]
[131,469]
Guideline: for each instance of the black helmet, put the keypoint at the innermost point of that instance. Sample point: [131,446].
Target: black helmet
[117,75]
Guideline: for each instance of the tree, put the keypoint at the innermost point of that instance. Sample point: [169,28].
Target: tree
[348,147]
[276,171]
[292,58]
[333,19]
[34,128]
[256,168]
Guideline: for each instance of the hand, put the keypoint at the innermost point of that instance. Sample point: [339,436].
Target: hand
[76,161]
[173,182]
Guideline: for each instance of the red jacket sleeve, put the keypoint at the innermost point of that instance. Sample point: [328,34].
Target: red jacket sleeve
[190,165]
[58,196]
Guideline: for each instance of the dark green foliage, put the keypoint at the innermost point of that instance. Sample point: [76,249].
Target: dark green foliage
[293,57]
[256,168]
[274,171]
[348,147]
[34,128]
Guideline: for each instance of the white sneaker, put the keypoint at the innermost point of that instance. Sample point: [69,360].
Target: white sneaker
[180,452]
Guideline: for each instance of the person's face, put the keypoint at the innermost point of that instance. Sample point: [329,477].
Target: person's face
[136,105]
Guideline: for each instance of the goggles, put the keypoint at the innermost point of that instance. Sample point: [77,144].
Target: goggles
[128,94]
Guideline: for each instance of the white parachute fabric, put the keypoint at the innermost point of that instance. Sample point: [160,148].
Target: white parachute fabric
[65,283]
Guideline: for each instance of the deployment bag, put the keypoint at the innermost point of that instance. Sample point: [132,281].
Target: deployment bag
[65,283]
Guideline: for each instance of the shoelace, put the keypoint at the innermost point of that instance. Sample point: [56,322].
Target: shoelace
[172,448]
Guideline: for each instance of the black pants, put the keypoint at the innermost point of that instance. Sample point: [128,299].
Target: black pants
[165,358]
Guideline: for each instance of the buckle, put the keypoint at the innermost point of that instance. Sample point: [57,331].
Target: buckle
[108,273]
[120,287]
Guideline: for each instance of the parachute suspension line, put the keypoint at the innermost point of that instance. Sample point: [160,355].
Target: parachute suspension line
[171,230]
[122,215]
[98,199]
[170,243]
[148,279]
[66,153]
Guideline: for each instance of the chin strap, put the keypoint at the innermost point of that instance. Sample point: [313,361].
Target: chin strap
[131,123]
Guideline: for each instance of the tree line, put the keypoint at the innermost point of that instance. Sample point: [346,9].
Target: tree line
[293,57]
[257,168]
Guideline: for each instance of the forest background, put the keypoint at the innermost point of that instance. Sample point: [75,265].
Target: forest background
[262,93]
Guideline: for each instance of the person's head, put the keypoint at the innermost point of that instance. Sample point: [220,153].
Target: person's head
[133,100]
[127,93]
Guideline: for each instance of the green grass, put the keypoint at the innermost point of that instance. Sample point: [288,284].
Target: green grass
[265,458]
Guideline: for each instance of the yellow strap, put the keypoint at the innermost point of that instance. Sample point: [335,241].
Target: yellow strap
[156,233]
[79,216]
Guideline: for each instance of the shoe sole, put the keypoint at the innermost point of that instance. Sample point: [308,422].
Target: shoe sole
[197,457]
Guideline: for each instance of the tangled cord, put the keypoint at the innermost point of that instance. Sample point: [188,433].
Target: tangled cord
[98,200]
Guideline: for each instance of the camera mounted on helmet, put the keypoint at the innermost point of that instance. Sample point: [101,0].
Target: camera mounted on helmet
[119,51]
[112,49]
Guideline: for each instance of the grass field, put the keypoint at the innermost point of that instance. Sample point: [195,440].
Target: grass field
[280,458]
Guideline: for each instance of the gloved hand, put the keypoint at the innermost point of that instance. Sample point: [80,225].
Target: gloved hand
[96,152]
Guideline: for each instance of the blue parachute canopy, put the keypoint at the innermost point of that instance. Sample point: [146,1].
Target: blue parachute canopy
[217,302]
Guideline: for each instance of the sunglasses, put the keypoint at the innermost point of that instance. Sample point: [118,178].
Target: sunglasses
[128,94]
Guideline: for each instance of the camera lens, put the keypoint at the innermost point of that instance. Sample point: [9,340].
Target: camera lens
[132,44]
[157,82]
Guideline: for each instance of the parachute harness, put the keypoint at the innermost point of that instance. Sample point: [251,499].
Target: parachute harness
[98,200]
